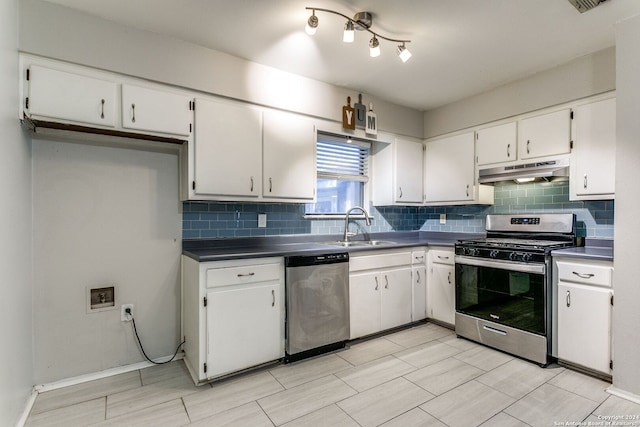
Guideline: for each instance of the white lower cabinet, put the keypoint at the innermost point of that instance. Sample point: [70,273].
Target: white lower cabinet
[232,315]
[584,314]
[419,280]
[441,289]
[380,292]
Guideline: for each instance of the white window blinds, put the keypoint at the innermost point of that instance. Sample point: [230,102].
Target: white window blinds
[342,160]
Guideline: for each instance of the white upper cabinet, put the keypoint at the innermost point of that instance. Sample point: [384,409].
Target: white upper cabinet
[71,97]
[228,149]
[289,150]
[397,172]
[497,144]
[449,170]
[153,110]
[545,135]
[594,151]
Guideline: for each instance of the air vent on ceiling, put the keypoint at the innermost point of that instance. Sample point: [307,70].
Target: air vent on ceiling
[584,5]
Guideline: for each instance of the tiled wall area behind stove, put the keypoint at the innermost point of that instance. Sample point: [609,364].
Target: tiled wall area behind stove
[205,220]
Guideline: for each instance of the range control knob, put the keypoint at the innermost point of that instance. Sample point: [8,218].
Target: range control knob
[513,256]
[526,257]
[475,252]
[493,253]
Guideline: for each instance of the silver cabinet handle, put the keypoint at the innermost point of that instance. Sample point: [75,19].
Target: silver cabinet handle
[376,283]
[449,278]
[273,298]
[568,298]
[400,193]
[508,150]
[528,151]
[467,190]
[246,274]
[251,184]
[133,113]
[270,185]
[585,181]
[442,257]
[386,279]
[418,275]
[584,275]
[102,111]
[419,258]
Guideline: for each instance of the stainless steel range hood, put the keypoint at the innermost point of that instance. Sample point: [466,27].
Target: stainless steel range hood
[525,171]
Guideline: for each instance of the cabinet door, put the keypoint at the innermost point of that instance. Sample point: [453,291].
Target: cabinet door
[228,149]
[441,293]
[364,304]
[545,135]
[395,305]
[584,325]
[496,144]
[408,168]
[449,169]
[244,327]
[594,149]
[289,149]
[66,96]
[153,110]
[419,279]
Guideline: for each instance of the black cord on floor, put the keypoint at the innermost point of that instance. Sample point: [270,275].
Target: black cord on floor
[142,349]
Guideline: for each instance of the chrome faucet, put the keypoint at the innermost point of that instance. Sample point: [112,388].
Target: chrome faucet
[367,220]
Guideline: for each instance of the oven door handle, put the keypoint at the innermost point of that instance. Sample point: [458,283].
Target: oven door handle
[504,265]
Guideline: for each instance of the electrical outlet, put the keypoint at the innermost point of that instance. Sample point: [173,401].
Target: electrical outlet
[262,220]
[123,315]
[443,218]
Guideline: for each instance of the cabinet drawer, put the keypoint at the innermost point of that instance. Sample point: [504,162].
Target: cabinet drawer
[418,257]
[441,257]
[378,262]
[242,274]
[588,274]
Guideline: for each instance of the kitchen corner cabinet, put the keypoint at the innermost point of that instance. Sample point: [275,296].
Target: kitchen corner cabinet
[232,315]
[65,96]
[449,169]
[419,280]
[289,153]
[585,298]
[151,110]
[441,301]
[228,149]
[594,151]
[380,291]
[497,144]
[545,135]
[397,173]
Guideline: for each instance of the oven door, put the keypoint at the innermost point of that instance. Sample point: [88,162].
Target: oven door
[508,293]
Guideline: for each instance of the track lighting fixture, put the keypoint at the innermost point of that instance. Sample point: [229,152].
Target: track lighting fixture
[361,21]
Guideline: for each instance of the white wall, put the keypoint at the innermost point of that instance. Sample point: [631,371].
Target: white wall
[62,33]
[626,282]
[103,216]
[583,77]
[16,366]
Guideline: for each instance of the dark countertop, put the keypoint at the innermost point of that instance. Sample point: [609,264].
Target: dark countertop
[203,250]
[594,249]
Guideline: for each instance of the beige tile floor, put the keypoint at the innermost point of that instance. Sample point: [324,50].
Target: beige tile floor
[422,376]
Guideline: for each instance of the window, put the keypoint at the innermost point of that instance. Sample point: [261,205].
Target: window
[342,174]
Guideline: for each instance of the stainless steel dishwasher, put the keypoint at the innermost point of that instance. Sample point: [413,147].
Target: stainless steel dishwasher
[317,295]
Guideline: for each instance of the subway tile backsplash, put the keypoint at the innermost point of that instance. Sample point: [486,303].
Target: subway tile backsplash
[205,220]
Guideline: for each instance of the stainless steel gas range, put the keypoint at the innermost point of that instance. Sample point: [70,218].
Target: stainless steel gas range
[503,282]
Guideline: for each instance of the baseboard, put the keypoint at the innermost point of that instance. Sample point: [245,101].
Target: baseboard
[41,388]
[27,408]
[635,398]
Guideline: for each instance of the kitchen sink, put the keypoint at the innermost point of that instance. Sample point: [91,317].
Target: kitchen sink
[360,243]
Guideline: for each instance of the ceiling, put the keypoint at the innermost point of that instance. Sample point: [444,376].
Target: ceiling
[460,47]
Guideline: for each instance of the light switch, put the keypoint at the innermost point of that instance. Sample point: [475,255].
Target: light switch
[443,218]
[262,220]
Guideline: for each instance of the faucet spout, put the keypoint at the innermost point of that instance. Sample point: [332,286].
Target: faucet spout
[367,220]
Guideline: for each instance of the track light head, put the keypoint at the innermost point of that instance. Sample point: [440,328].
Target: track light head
[374,47]
[312,24]
[349,32]
[404,53]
